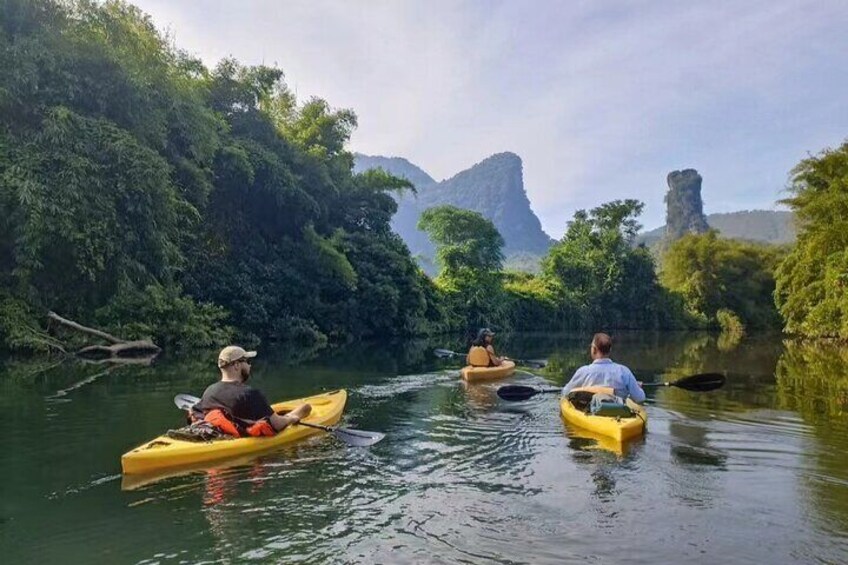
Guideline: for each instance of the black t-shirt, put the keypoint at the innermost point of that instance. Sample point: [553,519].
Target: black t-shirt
[238,400]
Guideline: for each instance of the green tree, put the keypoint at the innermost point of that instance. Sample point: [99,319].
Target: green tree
[812,281]
[104,144]
[599,277]
[469,253]
[143,192]
[465,240]
[715,275]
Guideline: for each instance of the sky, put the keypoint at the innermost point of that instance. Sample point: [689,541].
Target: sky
[601,99]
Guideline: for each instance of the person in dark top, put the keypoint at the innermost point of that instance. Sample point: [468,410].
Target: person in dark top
[238,409]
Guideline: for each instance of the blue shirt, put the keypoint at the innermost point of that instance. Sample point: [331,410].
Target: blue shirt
[603,372]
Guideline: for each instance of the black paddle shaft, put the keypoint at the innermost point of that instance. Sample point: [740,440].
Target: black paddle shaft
[519,392]
[696,383]
[702,382]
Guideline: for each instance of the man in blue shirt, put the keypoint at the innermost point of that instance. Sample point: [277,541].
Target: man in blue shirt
[603,372]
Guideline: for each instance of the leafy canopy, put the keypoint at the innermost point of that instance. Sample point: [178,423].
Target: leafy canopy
[465,240]
[714,275]
[599,276]
[144,192]
[812,281]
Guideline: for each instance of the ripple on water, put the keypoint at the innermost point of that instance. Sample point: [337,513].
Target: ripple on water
[463,477]
[407,383]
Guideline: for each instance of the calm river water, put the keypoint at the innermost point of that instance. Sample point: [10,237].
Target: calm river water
[756,472]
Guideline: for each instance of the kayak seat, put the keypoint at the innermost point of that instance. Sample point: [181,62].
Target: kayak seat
[603,404]
[581,399]
[599,403]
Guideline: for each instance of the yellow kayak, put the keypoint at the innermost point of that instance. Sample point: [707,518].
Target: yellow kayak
[476,374]
[165,453]
[617,428]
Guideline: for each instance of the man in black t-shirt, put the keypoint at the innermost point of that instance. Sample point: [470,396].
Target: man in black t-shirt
[237,408]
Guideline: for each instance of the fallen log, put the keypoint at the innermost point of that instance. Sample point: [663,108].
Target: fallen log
[80,328]
[119,348]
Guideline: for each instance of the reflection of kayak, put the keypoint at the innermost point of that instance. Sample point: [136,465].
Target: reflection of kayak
[138,480]
[617,428]
[583,439]
[474,374]
[166,453]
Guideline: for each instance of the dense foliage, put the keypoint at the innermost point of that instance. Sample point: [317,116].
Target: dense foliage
[149,195]
[593,278]
[469,253]
[143,192]
[812,281]
[600,278]
[724,282]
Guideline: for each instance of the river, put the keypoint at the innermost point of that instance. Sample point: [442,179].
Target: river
[755,472]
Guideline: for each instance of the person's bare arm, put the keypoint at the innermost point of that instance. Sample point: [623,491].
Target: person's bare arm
[496,361]
[281,421]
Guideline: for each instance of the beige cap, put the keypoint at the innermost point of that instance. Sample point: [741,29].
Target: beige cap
[233,353]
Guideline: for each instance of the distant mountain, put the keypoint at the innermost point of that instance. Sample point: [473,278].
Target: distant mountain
[397,166]
[768,226]
[406,218]
[494,187]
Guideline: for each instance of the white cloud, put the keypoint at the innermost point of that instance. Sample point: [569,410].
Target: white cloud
[600,99]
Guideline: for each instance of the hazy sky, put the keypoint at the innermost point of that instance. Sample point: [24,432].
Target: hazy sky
[601,99]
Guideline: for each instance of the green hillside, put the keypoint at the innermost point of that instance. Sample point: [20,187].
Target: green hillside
[769,226]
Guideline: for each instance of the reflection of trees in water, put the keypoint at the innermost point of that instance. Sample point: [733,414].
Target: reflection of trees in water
[812,380]
[657,356]
[60,376]
[694,447]
[749,367]
[696,483]
[392,356]
[729,341]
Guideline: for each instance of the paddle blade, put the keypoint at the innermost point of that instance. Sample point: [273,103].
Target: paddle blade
[701,383]
[185,401]
[515,393]
[357,438]
[444,353]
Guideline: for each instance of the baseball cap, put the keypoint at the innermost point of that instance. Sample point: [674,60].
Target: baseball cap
[233,353]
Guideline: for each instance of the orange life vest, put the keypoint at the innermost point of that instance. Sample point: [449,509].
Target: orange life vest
[479,357]
[220,420]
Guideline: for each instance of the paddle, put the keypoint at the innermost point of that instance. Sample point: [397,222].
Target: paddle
[701,382]
[695,383]
[521,392]
[354,438]
[534,363]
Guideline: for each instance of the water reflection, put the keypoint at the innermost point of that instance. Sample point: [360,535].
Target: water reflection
[812,380]
[481,396]
[462,475]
